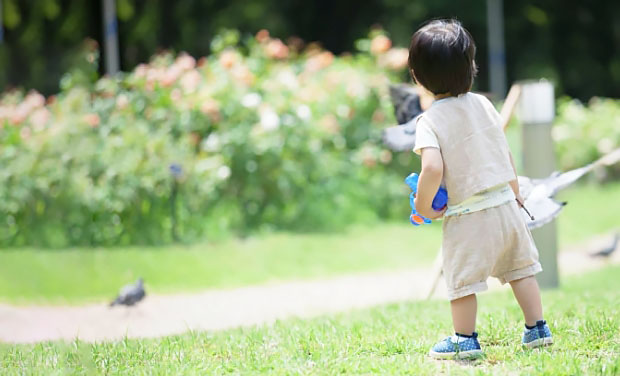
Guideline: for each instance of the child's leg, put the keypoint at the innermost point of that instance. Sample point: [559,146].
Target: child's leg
[464,314]
[528,295]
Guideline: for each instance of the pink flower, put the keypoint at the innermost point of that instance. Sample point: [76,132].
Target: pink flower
[262,36]
[190,81]
[275,49]
[385,156]
[170,76]
[319,61]
[369,161]
[378,116]
[122,102]
[176,95]
[25,133]
[329,124]
[395,58]
[20,113]
[92,119]
[228,58]
[242,74]
[34,100]
[380,44]
[39,118]
[212,109]
[185,62]
[141,70]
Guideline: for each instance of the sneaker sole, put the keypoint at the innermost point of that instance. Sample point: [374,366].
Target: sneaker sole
[471,354]
[539,342]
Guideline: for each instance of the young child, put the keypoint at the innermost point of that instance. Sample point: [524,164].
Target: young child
[464,148]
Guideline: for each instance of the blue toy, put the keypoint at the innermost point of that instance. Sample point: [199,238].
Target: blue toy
[439,202]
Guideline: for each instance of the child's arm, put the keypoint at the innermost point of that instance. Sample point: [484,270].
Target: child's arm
[514,184]
[429,182]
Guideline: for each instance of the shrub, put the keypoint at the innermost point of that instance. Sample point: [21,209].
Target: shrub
[584,134]
[258,135]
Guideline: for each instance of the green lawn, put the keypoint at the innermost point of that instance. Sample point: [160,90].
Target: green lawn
[393,339]
[79,275]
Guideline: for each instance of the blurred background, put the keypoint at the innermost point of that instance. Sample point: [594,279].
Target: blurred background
[573,43]
[243,119]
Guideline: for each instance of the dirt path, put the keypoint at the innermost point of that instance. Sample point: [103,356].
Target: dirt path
[220,309]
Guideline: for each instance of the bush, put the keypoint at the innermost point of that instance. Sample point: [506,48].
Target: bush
[584,134]
[258,135]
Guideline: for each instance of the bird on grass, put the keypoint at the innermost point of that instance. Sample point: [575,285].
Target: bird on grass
[130,294]
[607,251]
[540,204]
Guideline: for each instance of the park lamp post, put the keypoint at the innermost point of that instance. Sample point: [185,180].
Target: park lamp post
[536,112]
[110,36]
[1,25]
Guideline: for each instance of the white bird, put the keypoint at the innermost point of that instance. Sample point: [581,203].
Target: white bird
[538,194]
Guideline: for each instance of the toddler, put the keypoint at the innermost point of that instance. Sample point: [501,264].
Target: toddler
[464,148]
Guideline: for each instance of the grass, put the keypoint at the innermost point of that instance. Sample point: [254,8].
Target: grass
[80,275]
[391,339]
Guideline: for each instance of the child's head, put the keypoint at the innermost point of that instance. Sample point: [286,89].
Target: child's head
[441,57]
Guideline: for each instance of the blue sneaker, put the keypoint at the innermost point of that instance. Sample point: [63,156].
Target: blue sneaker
[538,336]
[458,347]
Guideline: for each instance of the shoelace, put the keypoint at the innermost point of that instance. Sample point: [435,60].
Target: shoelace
[541,331]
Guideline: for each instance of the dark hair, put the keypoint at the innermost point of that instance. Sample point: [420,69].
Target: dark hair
[441,57]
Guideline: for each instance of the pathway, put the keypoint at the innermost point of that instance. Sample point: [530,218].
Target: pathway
[160,315]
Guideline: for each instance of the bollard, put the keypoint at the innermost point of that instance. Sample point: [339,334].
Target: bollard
[536,112]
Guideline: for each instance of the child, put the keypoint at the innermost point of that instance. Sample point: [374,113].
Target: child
[463,147]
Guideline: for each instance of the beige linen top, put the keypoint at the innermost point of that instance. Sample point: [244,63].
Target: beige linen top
[467,131]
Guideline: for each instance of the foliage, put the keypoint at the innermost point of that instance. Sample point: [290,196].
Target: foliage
[42,36]
[258,135]
[30,276]
[583,134]
[391,339]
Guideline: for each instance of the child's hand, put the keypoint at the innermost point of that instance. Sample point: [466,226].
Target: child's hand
[520,200]
[429,212]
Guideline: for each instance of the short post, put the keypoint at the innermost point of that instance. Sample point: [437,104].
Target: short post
[536,111]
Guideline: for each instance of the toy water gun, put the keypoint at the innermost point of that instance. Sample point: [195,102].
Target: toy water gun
[439,202]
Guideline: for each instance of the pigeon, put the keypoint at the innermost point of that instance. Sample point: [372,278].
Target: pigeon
[606,252]
[130,294]
[407,108]
[406,101]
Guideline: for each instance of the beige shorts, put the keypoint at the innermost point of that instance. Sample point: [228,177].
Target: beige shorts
[492,242]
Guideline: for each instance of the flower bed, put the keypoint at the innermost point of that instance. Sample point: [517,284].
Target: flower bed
[260,134]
